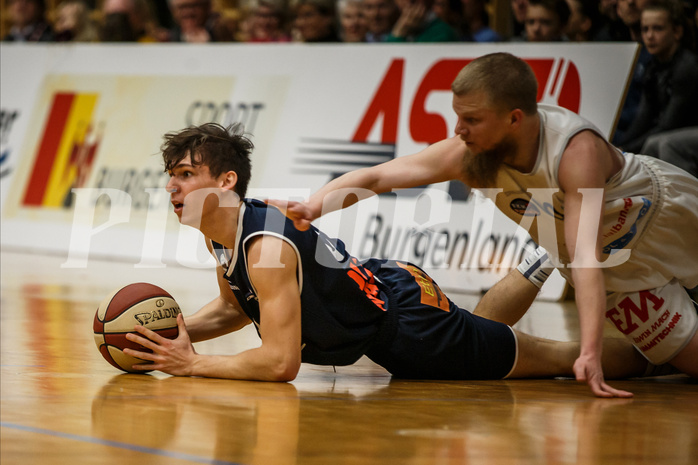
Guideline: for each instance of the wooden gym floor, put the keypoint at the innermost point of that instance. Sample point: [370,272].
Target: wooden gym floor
[61,403]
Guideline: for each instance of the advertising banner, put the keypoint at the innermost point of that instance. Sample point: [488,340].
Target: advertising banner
[82,126]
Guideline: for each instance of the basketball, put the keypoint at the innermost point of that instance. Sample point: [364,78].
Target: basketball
[139,303]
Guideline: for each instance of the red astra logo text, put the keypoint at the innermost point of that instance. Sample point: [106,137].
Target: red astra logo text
[558,83]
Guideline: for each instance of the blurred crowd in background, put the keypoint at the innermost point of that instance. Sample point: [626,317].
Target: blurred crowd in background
[331,20]
[661,98]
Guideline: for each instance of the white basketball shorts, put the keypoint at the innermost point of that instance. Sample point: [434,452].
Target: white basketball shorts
[659,322]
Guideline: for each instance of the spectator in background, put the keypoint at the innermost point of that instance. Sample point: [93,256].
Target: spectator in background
[478,21]
[29,24]
[695,29]
[316,21]
[670,84]
[352,23]
[126,21]
[611,27]
[518,16]
[196,22]
[607,8]
[381,16]
[73,23]
[629,12]
[678,147]
[419,23]
[690,34]
[451,12]
[583,23]
[546,20]
[268,22]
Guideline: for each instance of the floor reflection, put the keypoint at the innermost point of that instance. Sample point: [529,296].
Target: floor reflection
[396,422]
[62,403]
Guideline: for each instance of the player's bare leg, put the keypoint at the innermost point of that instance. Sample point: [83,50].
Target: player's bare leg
[544,358]
[508,300]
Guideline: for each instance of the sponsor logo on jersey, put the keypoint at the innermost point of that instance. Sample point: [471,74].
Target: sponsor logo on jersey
[624,240]
[524,208]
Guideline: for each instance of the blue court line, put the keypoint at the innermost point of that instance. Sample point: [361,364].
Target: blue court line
[120,445]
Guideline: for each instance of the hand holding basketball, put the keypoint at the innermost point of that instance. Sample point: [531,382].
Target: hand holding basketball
[172,356]
[141,304]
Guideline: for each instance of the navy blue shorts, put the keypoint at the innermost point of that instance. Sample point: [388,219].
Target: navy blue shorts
[430,337]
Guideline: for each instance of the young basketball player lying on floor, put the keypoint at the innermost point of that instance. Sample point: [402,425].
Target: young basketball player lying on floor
[313,302]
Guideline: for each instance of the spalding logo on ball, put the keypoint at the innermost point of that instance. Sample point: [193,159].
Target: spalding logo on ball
[135,304]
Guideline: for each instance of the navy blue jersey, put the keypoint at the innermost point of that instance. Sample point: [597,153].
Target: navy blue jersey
[390,311]
[339,319]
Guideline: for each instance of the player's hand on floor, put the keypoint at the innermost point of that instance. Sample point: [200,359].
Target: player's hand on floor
[172,356]
[588,369]
[298,212]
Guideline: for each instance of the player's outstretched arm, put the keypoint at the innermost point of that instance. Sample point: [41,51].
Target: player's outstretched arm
[439,162]
[272,267]
[584,168]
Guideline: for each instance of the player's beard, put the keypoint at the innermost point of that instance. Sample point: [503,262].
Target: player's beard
[483,167]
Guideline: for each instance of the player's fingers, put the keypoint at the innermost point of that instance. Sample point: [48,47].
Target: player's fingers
[280,204]
[616,392]
[152,335]
[299,215]
[301,224]
[147,343]
[144,367]
[599,391]
[297,212]
[595,383]
[182,328]
[286,207]
[138,354]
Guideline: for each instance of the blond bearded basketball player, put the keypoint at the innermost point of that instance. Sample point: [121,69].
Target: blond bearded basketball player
[621,228]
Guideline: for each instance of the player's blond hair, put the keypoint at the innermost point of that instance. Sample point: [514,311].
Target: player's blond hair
[508,82]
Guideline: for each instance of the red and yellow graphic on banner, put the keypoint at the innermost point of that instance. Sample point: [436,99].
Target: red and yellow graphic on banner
[57,163]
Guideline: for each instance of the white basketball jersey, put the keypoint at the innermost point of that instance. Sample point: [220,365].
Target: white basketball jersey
[633,197]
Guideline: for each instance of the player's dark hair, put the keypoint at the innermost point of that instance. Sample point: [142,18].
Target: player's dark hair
[221,149]
[508,81]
